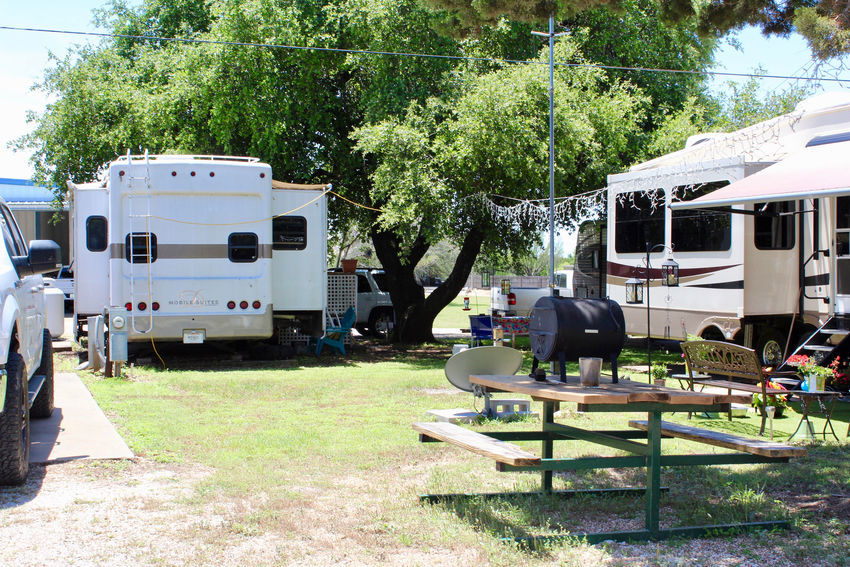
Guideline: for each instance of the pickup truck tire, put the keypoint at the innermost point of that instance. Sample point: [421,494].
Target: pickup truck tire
[15,425]
[42,407]
[379,322]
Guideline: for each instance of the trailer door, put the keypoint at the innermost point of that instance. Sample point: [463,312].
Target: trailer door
[842,255]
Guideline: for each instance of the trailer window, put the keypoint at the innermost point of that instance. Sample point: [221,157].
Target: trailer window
[698,230]
[289,233]
[96,234]
[773,232]
[242,247]
[136,246]
[637,222]
[842,215]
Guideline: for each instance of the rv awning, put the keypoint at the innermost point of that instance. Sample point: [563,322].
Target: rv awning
[283,185]
[818,171]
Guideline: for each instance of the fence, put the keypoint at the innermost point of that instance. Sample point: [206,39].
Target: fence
[474,281]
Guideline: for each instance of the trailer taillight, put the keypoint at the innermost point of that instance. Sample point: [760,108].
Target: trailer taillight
[128,306]
[256,304]
[512,298]
[243,304]
[231,305]
[155,305]
[142,306]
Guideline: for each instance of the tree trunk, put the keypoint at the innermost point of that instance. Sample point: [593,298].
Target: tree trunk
[414,312]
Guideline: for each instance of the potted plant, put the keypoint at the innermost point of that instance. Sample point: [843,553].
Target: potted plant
[658,373]
[778,401]
[840,379]
[815,376]
[349,265]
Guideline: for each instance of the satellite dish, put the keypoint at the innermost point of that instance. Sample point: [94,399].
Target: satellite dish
[481,360]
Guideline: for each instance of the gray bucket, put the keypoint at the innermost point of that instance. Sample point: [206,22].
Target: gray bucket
[589,368]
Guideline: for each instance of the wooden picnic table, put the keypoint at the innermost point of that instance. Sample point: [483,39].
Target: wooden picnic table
[625,396]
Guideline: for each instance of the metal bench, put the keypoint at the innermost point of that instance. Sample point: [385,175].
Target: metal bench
[706,360]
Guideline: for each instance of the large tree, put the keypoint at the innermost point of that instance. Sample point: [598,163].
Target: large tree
[440,166]
[437,136]
[824,23]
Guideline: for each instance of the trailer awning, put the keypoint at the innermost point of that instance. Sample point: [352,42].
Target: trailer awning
[283,185]
[818,171]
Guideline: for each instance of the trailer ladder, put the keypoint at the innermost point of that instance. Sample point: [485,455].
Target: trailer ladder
[139,211]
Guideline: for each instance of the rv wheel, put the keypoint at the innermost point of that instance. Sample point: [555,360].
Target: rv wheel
[769,347]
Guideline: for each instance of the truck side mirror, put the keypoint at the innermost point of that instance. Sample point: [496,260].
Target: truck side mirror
[44,256]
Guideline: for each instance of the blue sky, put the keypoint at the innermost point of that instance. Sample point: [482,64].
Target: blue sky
[24,56]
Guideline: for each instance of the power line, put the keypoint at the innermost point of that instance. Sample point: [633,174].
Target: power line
[411,54]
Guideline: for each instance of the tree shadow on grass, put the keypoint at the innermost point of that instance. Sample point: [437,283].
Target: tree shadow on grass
[812,488]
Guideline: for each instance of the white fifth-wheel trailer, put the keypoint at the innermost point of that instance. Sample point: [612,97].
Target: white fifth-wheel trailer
[199,248]
[758,221]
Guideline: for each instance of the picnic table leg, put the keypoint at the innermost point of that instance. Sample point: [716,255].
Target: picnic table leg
[653,473]
[547,449]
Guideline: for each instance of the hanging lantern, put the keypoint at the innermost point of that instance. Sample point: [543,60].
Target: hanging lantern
[670,273]
[634,290]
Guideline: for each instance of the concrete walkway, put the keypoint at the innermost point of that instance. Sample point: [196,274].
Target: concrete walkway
[78,429]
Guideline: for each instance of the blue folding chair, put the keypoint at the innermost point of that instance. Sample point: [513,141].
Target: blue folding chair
[335,334]
[481,327]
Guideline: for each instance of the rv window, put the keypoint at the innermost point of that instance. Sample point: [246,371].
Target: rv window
[842,219]
[699,230]
[242,247]
[96,234]
[289,233]
[773,232]
[637,222]
[136,248]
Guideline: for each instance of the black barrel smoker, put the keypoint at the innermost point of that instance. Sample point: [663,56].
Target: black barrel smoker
[566,328]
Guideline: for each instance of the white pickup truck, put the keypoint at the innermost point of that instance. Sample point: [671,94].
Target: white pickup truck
[26,351]
[508,300]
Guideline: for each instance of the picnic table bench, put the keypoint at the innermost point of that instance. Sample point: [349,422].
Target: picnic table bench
[708,362]
[500,451]
[722,439]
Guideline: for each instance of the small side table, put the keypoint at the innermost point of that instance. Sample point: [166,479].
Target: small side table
[816,402]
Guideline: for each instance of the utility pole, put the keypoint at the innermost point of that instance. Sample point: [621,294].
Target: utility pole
[551,35]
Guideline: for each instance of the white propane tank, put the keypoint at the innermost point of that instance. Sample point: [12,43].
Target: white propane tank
[54,311]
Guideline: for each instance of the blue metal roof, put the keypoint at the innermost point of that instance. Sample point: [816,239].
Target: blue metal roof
[24,191]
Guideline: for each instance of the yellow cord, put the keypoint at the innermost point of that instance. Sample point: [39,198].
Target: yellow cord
[310,202]
[266,219]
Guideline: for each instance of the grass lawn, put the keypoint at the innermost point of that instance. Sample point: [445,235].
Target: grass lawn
[326,447]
